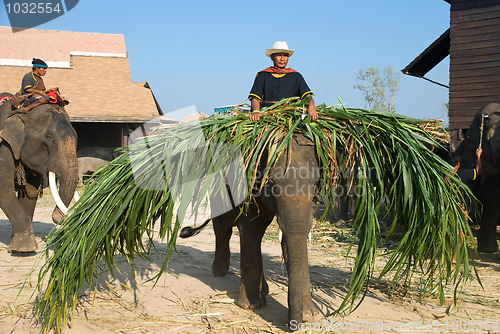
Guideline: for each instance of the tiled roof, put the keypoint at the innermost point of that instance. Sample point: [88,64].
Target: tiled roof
[56,46]
[97,80]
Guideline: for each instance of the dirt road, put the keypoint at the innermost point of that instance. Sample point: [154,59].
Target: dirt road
[189,299]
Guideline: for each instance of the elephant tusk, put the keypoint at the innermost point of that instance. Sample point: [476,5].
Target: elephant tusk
[55,193]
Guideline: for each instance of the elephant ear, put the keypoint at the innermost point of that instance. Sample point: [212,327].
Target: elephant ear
[13,133]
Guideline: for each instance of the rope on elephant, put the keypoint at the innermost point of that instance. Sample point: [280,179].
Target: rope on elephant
[20,175]
[17,100]
[21,182]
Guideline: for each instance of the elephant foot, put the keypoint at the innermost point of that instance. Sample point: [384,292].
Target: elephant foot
[309,310]
[487,242]
[220,267]
[294,323]
[23,243]
[252,301]
[489,248]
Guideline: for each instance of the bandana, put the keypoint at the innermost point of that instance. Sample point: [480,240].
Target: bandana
[39,63]
[278,71]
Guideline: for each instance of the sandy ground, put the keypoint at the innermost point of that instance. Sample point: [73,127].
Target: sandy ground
[189,299]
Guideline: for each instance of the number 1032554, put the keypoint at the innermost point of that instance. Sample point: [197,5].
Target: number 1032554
[33,8]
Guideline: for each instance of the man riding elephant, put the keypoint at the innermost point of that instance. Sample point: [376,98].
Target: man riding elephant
[285,196]
[32,94]
[32,83]
[33,86]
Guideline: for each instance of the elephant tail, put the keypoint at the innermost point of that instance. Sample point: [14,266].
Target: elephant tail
[189,231]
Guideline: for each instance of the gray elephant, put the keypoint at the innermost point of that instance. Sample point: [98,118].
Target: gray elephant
[289,196]
[92,158]
[104,153]
[32,144]
[487,186]
[88,165]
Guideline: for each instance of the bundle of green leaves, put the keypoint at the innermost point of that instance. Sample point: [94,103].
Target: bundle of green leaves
[388,157]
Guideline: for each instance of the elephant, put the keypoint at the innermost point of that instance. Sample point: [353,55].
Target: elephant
[104,153]
[92,158]
[288,195]
[32,144]
[487,186]
[89,165]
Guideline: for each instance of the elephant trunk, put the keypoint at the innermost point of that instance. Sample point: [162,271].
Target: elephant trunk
[295,220]
[295,253]
[68,180]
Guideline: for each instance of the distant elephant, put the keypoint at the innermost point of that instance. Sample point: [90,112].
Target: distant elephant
[104,153]
[32,144]
[288,195]
[92,158]
[89,165]
[487,186]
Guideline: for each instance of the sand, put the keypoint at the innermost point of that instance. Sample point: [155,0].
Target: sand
[189,299]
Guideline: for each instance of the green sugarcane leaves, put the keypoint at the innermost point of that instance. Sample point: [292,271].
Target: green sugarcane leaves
[385,159]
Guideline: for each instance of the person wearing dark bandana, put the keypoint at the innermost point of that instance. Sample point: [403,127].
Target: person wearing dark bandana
[278,82]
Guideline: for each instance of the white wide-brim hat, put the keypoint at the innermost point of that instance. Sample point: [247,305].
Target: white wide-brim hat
[279,47]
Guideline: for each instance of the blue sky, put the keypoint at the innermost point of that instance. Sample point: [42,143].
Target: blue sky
[207,53]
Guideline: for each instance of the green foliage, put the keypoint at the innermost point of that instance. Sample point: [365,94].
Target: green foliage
[385,155]
[379,91]
[446,108]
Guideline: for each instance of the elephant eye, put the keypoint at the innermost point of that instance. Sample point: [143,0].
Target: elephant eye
[49,137]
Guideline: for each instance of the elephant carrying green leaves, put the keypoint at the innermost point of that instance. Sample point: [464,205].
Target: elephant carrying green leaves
[288,195]
[33,144]
[283,159]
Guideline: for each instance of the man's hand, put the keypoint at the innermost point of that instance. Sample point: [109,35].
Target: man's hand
[254,107]
[255,116]
[311,110]
[479,163]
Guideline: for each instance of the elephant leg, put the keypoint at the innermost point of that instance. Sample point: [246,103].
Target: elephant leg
[223,229]
[253,287]
[300,304]
[309,310]
[23,238]
[487,238]
[28,197]
[295,220]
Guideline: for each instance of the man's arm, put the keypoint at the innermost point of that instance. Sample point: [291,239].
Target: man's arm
[479,164]
[254,109]
[30,84]
[255,96]
[305,92]
[311,109]
[34,90]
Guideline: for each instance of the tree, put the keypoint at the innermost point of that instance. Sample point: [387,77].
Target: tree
[446,108]
[379,92]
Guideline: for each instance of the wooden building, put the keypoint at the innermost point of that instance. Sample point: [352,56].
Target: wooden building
[92,71]
[473,44]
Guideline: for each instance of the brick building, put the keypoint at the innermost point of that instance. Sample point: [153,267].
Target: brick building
[92,71]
